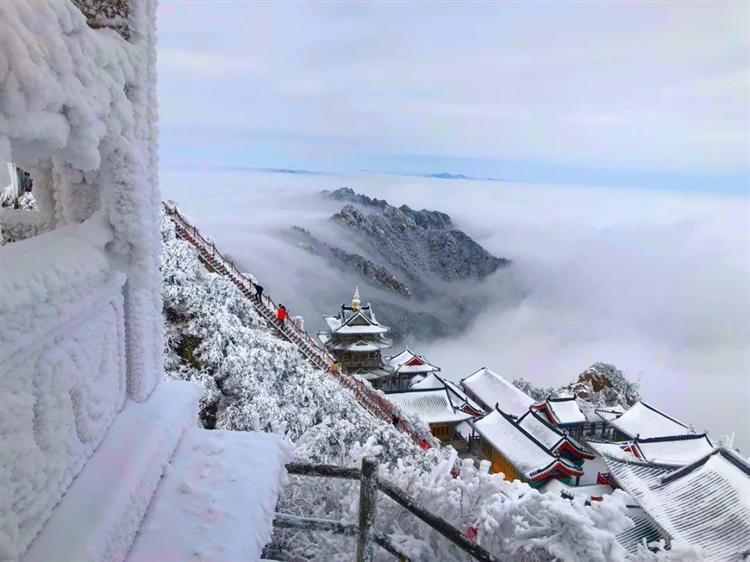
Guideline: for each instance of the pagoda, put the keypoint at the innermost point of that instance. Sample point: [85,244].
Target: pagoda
[356,339]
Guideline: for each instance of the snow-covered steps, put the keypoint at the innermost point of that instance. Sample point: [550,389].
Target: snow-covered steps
[97,519]
[217,499]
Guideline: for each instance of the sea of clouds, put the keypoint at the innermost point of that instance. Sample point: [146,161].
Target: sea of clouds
[656,282]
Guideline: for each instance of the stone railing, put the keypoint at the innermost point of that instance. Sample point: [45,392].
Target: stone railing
[63,376]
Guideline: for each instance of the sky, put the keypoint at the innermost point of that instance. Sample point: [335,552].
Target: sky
[630,94]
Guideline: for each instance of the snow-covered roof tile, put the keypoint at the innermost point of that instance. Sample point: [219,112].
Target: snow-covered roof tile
[551,437]
[591,491]
[333,322]
[679,450]
[565,410]
[431,405]
[361,346]
[492,389]
[646,421]
[704,504]
[542,432]
[363,329]
[431,381]
[608,413]
[458,398]
[643,530]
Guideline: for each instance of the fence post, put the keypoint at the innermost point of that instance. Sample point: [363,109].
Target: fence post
[367,503]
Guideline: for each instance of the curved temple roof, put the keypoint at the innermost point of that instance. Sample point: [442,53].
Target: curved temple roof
[530,457]
[705,503]
[646,421]
[492,389]
[431,405]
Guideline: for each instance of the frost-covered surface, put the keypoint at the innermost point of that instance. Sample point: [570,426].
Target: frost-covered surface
[101,512]
[705,504]
[646,421]
[78,111]
[81,309]
[429,405]
[63,370]
[492,389]
[217,499]
[510,519]
[255,381]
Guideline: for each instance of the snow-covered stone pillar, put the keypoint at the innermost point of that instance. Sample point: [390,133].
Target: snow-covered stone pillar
[131,165]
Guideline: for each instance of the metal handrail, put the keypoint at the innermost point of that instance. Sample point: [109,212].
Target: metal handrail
[370,481]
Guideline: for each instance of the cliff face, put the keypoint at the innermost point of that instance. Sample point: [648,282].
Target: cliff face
[418,259]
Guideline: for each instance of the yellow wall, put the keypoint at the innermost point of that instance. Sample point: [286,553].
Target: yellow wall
[499,462]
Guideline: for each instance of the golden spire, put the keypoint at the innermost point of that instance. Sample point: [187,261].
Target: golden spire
[355,300]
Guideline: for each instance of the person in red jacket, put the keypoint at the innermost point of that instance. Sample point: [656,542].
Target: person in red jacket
[281,314]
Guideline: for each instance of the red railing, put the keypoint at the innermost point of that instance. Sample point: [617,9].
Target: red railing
[374,400]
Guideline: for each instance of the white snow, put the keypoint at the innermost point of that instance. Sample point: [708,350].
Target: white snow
[545,433]
[492,389]
[678,451]
[430,405]
[705,504]
[217,500]
[566,411]
[593,490]
[645,421]
[103,508]
[400,363]
[62,375]
[78,111]
[81,308]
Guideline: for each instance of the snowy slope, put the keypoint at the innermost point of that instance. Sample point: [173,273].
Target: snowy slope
[253,380]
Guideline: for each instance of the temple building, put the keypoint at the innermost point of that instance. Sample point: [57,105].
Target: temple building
[564,413]
[434,407]
[356,339]
[528,451]
[407,368]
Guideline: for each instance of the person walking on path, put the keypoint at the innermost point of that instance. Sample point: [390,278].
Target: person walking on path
[281,314]
[258,293]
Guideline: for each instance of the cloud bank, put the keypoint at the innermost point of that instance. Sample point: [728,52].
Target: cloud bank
[655,282]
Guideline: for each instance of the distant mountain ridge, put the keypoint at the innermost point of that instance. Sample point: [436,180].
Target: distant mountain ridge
[415,256]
